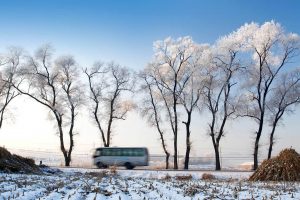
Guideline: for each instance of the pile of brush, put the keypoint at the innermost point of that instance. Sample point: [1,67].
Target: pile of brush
[17,164]
[284,167]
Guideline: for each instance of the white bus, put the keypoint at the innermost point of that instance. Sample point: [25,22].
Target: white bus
[121,156]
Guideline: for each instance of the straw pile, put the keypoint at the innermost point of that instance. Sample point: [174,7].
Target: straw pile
[16,164]
[284,167]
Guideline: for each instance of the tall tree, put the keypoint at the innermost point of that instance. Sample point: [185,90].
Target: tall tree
[56,86]
[169,70]
[108,85]
[192,90]
[151,109]
[271,50]
[285,96]
[221,76]
[9,62]
[189,99]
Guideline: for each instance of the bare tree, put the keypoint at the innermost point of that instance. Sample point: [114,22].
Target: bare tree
[189,99]
[219,101]
[285,96]
[169,71]
[151,109]
[272,49]
[9,63]
[107,85]
[221,76]
[192,90]
[71,99]
[55,85]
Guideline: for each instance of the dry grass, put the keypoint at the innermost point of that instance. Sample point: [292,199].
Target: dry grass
[17,164]
[284,167]
[29,161]
[97,176]
[183,177]
[113,170]
[207,176]
[191,191]
[4,154]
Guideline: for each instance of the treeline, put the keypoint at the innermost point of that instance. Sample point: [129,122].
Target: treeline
[247,73]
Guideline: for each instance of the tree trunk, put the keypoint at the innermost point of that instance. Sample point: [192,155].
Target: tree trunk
[110,121]
[175,152]
[108,132]
[7,101]
[256,146]
[175,123]
[270,146]
[217,157]
[98,123]
[188,142]
[217,153]
[272,139]
[256,143]
[167,160]
[175,138]
[2,116]
[255,161]
[187,156]
[67,161]
[71,139]
[63,150]
[166,152]
[61,139]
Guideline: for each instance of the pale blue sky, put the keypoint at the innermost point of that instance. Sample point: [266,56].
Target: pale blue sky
[124,31]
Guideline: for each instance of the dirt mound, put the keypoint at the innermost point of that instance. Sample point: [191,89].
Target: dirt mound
[17,164]
[284,167]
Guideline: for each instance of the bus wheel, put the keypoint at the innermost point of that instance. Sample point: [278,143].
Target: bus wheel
[129,165]
[101,165]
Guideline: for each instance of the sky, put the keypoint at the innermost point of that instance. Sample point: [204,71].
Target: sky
[124,31]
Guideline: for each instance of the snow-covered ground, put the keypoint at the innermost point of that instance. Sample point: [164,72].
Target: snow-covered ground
[74,183]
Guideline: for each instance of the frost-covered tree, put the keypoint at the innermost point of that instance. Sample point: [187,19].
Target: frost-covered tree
[284,97]
[151,108]
[220,98]
[56,86]
[9,63]
[271,49]
[108,86]
[169,69]
[192,91]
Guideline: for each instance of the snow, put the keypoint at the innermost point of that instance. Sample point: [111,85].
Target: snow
[77,184]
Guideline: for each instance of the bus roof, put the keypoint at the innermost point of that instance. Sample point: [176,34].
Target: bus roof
[121,148]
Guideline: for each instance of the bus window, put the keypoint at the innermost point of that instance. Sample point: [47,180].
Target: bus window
[118,152]
[106,152]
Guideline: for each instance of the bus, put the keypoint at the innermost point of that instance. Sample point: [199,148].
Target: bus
[129,157]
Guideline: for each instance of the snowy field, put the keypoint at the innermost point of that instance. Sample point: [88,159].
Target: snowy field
[93,184]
